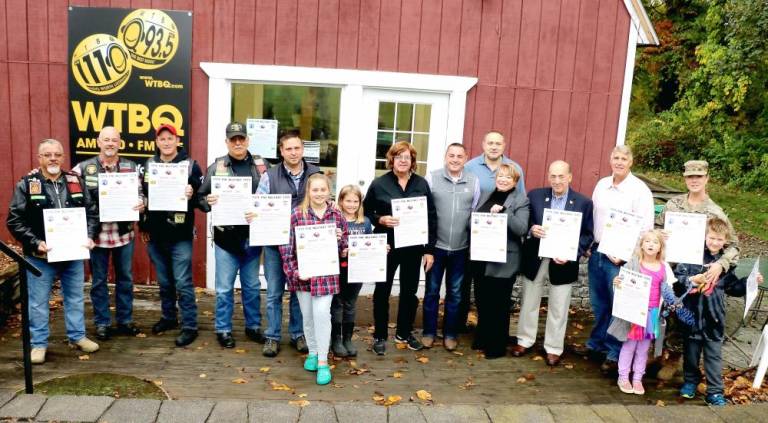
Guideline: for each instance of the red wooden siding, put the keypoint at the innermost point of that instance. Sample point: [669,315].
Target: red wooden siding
[550,72]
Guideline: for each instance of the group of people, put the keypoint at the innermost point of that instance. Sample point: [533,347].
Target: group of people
[322,308]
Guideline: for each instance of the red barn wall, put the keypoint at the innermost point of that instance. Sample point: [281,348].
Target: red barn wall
[550,72]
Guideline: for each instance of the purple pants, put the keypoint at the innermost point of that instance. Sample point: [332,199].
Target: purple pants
[639,351]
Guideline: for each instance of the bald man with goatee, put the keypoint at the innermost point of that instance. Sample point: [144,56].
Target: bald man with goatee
[114,239]
[560,272]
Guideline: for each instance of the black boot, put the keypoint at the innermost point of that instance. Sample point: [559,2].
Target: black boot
[337,346]
[347,330]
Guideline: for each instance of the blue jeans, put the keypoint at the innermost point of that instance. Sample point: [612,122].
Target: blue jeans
[273,271]
[72,275]
[227,267]
[601,274]
[173,263]
[451,263]
[122,258]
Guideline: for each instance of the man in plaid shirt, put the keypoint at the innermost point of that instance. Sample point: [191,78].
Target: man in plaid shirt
[115,239]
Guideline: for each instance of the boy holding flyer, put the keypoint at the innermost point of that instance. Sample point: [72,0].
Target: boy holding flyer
[316,292]
[343,304]
[707,303]
[648,260]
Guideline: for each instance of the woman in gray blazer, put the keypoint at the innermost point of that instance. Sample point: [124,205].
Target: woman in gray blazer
[495,280]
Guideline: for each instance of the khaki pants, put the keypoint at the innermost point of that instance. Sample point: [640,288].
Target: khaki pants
[557,314]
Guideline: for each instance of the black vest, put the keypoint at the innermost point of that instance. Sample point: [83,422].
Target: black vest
[280,182]
[41,198]
[90,169]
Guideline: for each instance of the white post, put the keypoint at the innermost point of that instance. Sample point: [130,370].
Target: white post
[763,365]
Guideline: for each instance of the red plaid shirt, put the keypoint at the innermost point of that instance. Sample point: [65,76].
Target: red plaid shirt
[319,285]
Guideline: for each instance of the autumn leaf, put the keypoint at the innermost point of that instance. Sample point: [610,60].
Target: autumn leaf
[378,396]
[397,375]
[158,382]
[568,366]
[141,335]
[392,400]
[424,395]
[537,358]
[299,403]
[661,403]
[522,380]
[578,326]
[302,395]
[459,353]
[84,357]
[240,351]
[468,384]
[391,325]
[423,359]
[264,369]
[529,376]
[401,346]
[239,381]
[279,386]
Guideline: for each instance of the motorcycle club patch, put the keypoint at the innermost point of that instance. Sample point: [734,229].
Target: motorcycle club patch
[35,187]
[90,169]
[179,217]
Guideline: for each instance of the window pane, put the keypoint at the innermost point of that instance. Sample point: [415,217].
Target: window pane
[421,144]
[421,168]
[386,115]
[403,136]
[311,111]
[404,116]
[421,117]
[383,142]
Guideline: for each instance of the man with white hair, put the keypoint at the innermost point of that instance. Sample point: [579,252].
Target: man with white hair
[50,187]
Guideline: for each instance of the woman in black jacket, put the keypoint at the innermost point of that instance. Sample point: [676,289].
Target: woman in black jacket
[400,182]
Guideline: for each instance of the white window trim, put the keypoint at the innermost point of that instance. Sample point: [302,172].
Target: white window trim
[352,84]
[626,94]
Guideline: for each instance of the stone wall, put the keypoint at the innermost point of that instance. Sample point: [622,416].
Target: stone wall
[579,295]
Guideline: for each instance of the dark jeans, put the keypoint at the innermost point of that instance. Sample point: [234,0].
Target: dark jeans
[452,264]
[122,257]
[601,274]
[408,259]
[713,363]
[173,263]
[493,297]
[343,303]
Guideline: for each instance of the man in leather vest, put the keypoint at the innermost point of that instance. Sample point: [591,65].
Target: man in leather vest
[288,177]
[114,238]
[50,187]
[169,236]
[231,243]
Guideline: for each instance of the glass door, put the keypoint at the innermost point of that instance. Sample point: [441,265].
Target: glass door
[388,116]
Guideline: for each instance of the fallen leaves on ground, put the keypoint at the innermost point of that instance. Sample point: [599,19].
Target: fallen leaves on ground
[397,375]
[240,351]
[386,401]
[529,376]
[459,353]
[84,357]
[401,346]
[158,382]
[141,335]
[239,381]
[299,403]
[357,371]
[423,395]
[522,380]
[279,386]
[660,403]
[537,358]
[568,366]
[578,326]
[738,387]
[401,360]
[422,359]
[203,375]
[468,384]
[264,369]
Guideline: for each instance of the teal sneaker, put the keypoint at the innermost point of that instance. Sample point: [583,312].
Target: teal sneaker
[310,364]
[688,390]
[323,375]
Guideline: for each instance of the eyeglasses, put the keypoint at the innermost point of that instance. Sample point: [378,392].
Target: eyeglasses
[403,158]
[52,155]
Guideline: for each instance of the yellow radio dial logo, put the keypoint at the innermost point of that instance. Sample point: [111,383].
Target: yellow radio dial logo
[151,37]
[101,64]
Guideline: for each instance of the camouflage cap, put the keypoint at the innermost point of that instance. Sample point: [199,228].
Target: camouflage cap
[696,168]
[235,129]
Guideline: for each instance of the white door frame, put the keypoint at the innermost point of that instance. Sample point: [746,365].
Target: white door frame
[352,84]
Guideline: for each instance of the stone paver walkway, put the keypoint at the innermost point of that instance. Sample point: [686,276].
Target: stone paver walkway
[39,408]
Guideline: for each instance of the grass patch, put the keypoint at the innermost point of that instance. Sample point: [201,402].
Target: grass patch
[746,210]
[106,384]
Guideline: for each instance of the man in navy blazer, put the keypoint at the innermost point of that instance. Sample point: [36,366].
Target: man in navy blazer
[560,273]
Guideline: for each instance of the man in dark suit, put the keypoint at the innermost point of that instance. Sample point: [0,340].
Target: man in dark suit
[560,273]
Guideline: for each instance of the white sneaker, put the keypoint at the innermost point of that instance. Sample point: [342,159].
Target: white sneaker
[38,355]
[85,345]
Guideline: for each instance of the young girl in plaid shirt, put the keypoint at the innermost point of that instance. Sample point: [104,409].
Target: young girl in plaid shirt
[315,294]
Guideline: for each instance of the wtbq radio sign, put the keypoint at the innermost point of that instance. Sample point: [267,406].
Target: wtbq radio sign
[129,69]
